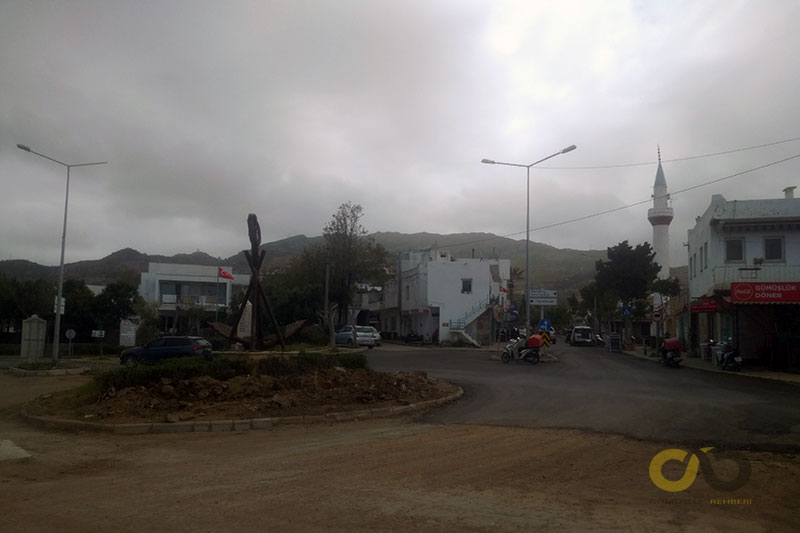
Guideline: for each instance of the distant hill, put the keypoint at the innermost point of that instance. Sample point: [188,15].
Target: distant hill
[552,268]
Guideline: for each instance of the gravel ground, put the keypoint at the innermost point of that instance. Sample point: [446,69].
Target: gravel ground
[393,474]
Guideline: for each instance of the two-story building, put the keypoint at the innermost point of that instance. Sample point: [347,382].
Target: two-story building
[744,278]
[443,298]
[174,287]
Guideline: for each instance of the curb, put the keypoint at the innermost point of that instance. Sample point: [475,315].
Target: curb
[543,358]
[53,372]
[214,426]
[745,374]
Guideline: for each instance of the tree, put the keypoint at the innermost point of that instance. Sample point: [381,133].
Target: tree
[20,300]
[352,257]
[629,272]
[599,300]
[79,309]
[115,303]
[666,287]
[147,325]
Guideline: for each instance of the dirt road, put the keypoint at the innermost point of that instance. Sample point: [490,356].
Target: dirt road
[376,475]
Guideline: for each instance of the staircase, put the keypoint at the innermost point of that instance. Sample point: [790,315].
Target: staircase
[458,326]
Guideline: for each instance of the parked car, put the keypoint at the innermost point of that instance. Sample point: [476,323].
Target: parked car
[166,348]
[363,336]
[375,335]
[581,336]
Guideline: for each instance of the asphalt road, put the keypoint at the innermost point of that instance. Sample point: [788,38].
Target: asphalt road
[591,389]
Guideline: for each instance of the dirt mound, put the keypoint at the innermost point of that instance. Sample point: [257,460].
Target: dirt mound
[251,396]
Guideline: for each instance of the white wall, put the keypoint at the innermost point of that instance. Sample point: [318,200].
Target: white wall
[718,274]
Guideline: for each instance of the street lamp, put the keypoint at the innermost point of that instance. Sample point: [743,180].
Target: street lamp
[57,328]
[528,224]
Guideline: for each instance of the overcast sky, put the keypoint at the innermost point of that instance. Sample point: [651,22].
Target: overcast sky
[207,111]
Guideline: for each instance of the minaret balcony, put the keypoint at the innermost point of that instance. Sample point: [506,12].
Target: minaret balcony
[659,216]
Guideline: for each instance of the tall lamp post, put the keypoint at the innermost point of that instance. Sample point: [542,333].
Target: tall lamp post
[528,224]
[57,328]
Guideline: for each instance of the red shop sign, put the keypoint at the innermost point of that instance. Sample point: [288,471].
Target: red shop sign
[786,292]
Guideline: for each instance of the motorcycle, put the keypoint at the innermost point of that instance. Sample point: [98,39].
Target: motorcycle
[730,358]
[671,352]
[598,341]
[522,349]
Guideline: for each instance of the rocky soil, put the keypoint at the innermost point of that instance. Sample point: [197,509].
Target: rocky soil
[248,396]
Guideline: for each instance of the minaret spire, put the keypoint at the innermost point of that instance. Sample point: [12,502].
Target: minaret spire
[660,216]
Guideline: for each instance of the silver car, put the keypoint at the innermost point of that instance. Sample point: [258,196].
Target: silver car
[374,332]
[363,336]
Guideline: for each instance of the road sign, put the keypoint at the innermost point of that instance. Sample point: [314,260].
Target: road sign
[543,297]
[56,308]
[98,333]
[626,310]
[546,338]
[70,334]
[545,325]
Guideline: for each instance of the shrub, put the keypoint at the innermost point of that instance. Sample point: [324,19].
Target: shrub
[177,369]
[306,362]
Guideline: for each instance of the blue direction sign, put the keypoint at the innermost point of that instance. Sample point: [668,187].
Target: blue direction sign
[545,325]
[626,310]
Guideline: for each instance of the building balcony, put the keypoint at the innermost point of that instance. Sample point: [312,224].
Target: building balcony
[659,215]
[723,276]
[207,303]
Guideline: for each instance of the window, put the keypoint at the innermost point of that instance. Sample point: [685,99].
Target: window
[734,250]
[705,255]
[773,248]
[691,267]
[408,293]
[694,265]
[466,286]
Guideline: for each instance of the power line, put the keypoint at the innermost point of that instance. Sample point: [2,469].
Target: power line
[634,204]
[688,158]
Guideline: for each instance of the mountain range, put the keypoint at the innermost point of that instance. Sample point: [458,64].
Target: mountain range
[552,268]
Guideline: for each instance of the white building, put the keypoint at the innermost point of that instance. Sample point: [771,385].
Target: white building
[174,287]
[443,298]
[744,259]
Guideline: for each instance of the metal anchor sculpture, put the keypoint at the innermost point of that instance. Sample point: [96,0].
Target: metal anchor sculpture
[255,293]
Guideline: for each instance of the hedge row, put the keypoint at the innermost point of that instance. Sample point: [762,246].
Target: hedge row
[78,349]
[222,369]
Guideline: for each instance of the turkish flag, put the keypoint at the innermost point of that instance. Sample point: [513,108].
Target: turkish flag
[223,273]
[503,289]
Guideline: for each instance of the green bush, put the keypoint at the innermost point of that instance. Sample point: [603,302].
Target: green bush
[222,369]
[177,369]
[78,349]
[306,362]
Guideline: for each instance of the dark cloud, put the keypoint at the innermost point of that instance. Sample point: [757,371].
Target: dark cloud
[209,111]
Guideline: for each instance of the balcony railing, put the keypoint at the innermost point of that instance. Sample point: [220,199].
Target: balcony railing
[190,301]
[723,276]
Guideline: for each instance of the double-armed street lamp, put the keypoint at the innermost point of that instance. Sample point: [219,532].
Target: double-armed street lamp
[57,327]
[528,224]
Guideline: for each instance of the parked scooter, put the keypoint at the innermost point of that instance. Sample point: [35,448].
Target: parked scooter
[671,352]
[730,358]
[522,349]
[598,341]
